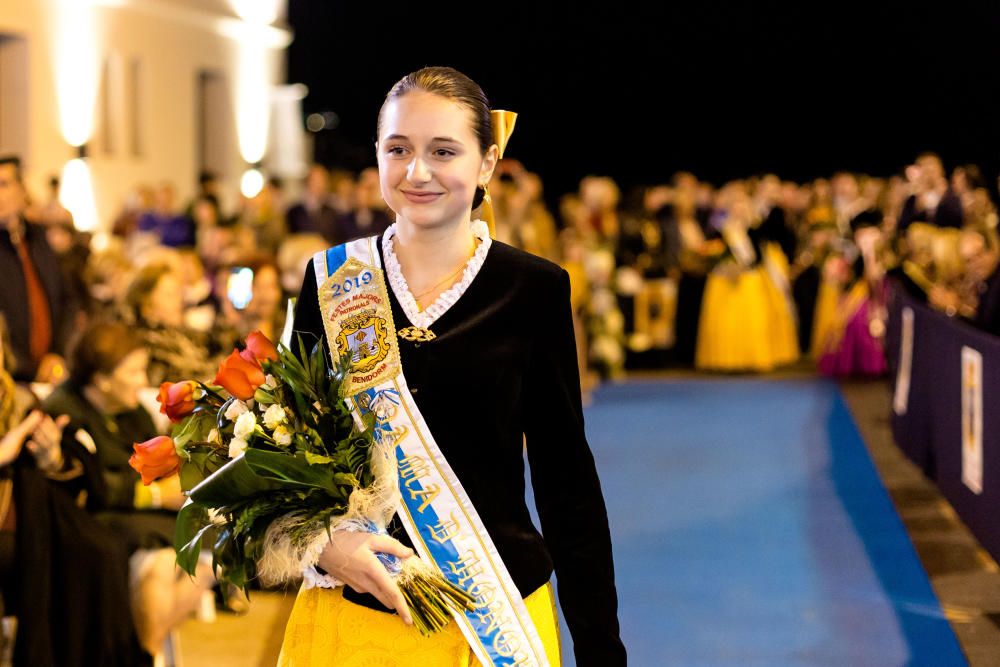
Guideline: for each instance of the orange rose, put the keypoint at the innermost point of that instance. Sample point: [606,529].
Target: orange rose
[260,348]
[239,377]
[155,459]
[176,399]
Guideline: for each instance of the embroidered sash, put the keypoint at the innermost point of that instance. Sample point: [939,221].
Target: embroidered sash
[435,510]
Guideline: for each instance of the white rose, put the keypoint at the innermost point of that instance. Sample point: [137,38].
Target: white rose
[274,415]
[245,425]
[237,447]
[282,436]
[235,409]
[269,382]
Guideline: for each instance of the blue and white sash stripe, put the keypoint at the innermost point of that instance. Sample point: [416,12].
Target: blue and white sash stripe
[435,510]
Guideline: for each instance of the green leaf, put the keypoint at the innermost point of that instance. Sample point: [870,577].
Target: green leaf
[192,473]
[232,483]
[195,427]
[292,471]
[345,479]
[192,525]
[317,459]
[263,397]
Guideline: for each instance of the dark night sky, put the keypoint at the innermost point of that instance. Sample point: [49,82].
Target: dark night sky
[637,91]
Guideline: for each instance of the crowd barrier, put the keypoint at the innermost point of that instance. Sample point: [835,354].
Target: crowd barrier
[946,408]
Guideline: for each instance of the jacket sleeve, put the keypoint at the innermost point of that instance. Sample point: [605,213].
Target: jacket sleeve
[566,486]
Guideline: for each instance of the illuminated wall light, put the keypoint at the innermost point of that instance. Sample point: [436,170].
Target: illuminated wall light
[251,183]
[77,68]
[253,101]
[286,153]
[76,193]
[253,87]
[262,12]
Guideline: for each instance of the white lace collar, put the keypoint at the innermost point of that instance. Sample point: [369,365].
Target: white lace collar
[446,299]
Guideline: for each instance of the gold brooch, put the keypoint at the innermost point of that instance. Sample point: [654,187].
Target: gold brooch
[416,334]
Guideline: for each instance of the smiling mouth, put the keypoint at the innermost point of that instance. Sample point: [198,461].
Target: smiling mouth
[421,197]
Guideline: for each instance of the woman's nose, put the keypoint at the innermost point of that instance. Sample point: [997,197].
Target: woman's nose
[418,172]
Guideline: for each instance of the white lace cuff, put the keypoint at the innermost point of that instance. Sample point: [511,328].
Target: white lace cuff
[311,578]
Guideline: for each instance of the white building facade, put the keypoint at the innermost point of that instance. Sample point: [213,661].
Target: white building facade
[145,91]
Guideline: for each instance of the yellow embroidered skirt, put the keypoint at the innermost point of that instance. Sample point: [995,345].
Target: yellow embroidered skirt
[325,630]
[745,324]
[825,319]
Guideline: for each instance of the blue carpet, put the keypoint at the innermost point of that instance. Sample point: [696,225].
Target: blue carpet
[750,528]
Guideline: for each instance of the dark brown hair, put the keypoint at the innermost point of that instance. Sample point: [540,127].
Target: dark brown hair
[15,161]
[103,345]
[143,283]
[453,85]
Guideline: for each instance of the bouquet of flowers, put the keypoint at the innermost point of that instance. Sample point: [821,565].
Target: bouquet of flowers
[271,457]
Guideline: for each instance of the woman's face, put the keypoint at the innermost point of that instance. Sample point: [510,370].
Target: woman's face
[429,159]
[165,303]
[266,292]
[127,380]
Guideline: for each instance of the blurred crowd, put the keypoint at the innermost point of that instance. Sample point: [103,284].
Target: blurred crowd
[760,273]
[747,276]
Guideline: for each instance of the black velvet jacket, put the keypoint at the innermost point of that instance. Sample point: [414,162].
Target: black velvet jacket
[504,360]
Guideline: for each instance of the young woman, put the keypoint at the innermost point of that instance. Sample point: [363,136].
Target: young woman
[746,322]
[486,346]
[62,574]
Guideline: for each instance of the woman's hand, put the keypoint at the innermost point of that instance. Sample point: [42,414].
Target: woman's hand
[13,440]
[351,558]
[46,442]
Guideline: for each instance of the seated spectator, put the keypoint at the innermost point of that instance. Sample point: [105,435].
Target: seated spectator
[155,304]
[314,214]
[367,216]
[101,398]
[63,574]
[107,276]
[266,310]
[174,229]
[293,256]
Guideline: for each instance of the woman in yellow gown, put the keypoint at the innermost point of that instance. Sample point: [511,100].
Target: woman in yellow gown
[498,336]
[747,320]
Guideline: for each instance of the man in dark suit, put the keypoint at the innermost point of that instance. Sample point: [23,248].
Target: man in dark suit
[35,302]
[933,200]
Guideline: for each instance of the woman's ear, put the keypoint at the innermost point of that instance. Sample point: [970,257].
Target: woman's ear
[490,160]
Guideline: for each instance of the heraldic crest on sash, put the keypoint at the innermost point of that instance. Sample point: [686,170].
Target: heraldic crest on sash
[358,320]
[366,335]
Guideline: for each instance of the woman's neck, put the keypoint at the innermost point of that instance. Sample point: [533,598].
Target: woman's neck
[425,253]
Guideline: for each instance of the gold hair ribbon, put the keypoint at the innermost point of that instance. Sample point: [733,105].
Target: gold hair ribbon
[503,127]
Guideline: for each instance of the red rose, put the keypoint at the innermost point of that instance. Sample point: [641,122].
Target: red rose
[176,399]
[155,459]
[239,377]
[259,347]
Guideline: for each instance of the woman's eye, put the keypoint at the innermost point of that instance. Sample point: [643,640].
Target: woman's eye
[444,153]
[396,150]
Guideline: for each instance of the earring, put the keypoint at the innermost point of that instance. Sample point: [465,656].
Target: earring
[486,194]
